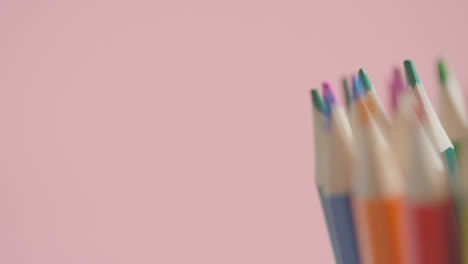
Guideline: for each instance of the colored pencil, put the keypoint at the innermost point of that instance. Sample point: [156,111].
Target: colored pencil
[462,202]
[347,93]
[402,119]
[338,184]
[393,192]
[453,118]
[373,102]
[452,107]
[357,88]
[321,161]
[397,88]
[357,93]
[378,199]
[434,128]
[432,223]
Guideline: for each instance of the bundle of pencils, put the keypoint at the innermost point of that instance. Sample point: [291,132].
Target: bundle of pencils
[393,190]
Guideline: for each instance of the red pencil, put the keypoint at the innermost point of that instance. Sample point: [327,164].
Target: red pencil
[432,223]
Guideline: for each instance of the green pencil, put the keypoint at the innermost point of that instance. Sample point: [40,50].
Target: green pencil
[433,124]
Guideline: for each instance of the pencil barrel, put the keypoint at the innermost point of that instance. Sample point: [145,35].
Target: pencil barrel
[339,207]
[463,213]
[328,222]
[380,225]
[433,233]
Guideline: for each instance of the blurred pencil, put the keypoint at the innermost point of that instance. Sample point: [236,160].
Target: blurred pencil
[402,119]
[397,88]
[378,197]
[373,102]
[347,93]
[432,124]
[357,94]
[357,88]
[432,223]
[453,118]
[452,108]
[321,161]
[338,184]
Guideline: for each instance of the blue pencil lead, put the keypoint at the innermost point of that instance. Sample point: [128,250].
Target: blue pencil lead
[358,88]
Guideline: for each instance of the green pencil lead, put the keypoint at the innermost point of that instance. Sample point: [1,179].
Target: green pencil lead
[317,101]
[410,73]
[442,71]
[365,80]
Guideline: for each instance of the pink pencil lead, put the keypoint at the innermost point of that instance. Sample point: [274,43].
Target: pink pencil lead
[397,87]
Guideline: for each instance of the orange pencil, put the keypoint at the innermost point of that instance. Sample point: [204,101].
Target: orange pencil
[378,197]
[370,98]
[373,101]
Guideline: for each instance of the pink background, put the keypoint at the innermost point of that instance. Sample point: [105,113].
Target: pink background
[180,131]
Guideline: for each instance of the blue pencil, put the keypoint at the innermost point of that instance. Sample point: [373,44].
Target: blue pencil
[338,184]
[321,171]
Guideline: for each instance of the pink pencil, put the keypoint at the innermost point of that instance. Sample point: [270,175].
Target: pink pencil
[397,88]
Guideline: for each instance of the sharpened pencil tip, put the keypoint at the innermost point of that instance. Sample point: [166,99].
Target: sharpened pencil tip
[442,71]
[329,93]
[329,98]
[357,89]
[365,80]
[397,87]
[410,73]
[347,93]
[317,101]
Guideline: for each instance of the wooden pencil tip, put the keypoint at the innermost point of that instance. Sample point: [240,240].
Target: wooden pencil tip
[317,101]
[364,113]
[357,89]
